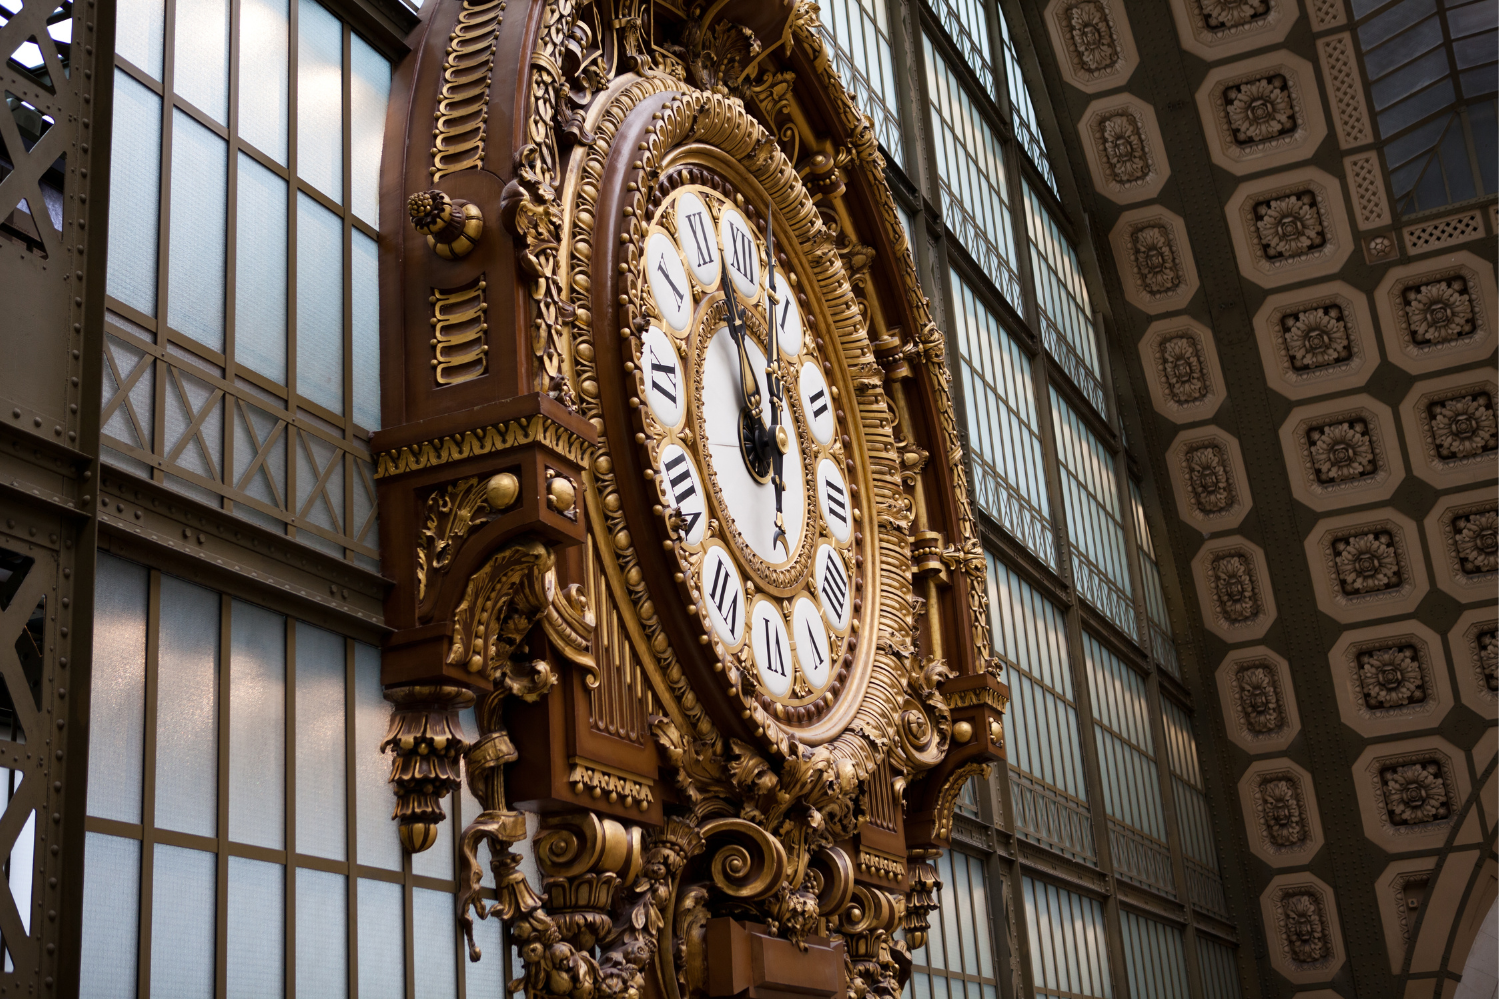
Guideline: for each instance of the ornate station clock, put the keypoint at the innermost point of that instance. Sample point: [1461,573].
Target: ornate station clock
[673,431]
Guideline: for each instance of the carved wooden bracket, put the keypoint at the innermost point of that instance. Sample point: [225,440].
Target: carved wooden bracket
[977,703]
[428,744]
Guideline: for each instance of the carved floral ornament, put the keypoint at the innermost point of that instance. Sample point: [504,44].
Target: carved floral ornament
[1391,677]
[1156,261]
[1182,369]
[1123,147]
[1340,448]
[1231,583]
[1367,562]
[1463,426]
[1282,810]
[1208,477]
[1475,536]
[1153,254]
[1121,138]
[1092,41]
[1219,14]
[1316,337]
[1452,428]
[1438,313]
[1305,942]
[1487,642]
[1289,225]
[1258,699]
[1259,110]
[1415,793]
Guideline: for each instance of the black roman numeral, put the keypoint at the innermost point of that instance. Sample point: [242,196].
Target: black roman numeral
[661,267]
[724,597]
[785,307]
[819,401]
[663,378]
[775,656]
[837,501]
[816,646]
[742,251]
[678,475]
[702,242]
[835,587]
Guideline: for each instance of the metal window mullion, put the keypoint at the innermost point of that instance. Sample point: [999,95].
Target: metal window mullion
[221,897]
[289,927]
[351,813]
[293,30]
[148,782]
[164,228]
[350,471]
[231,251]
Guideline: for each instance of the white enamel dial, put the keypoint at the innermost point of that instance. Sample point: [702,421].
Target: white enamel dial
[830,576]
[668,281]
[723,593]
[750,504]
[788,317]
[813,652]
[681,484]
[697,239]
[661,370]
[741,253]
[817,403]
[771,647]
[833,501]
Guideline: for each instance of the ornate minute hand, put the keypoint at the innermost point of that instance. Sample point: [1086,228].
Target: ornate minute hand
[749,388]
[778,441]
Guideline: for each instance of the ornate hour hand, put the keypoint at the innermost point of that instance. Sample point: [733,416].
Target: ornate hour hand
[752,429]
[777,436]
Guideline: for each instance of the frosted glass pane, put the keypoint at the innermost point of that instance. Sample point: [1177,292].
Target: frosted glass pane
[434,942]
[264,77]
[23,866]
[117,729]
[183,893]
[257,908]
[369,93]
[382,943]
[366,267]
[138,37]
[187,700]
[320,744]
[322,935]
[200,179]
[111,900]
[320,99]
[487,977]
[379,841]
[200,70]
[134,194]
[257,727]
[260,271]
[320,304]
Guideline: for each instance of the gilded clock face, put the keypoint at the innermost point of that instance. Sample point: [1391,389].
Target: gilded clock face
[749,448]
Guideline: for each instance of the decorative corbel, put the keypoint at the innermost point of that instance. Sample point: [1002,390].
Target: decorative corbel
[878,962]
[428,744]
[921,899]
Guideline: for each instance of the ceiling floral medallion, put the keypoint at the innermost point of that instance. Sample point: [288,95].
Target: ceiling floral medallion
[1438,312]
[1259,699]
[1390,678]
[1367,563]
[1488,657]
[1215,29]
[1220,14]
[1314,340]
[1410,792]
[1474,641]
[1123,146]
[1259,704]
[1155,261]
[1414,793]
[1290,225]
[1261,112]
[1464,426]
[1302,923]
[1181,366]
[1465,529]
[1207,473]
[1289,228]
[1369,568]
[1280,812]
[1451,428]
[1092,39]
[1231,583]
[1340,448]
[1259,109]
[1342,451]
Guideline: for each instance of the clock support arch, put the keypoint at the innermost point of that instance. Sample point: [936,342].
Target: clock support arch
[525,141]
